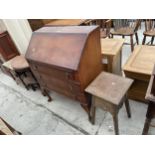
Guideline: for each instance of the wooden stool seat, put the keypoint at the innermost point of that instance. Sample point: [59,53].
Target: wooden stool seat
[109,92]
[19,63]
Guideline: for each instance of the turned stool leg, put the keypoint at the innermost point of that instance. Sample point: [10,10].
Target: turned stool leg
[144,40]
[127,106]
[152,39]
[137,40]
[131,41]
[115,120]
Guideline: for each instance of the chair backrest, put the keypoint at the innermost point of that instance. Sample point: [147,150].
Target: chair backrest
[132,23]
[149,24]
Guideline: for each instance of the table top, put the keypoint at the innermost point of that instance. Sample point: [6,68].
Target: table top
[111,46]
[142,60]
[66,22]
[109,87]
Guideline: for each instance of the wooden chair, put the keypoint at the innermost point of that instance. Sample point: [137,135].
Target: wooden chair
[149,30]
[105,28]
[124,27]
[6,129]
[104,24]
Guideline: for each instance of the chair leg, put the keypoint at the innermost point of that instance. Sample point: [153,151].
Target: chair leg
[115,120]
[144,39]
[93,113]
[131,41]
[137,40]
[152,39]
[127,106]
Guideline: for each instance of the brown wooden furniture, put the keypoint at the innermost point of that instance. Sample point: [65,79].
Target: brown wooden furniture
[66,59]
[128,28]
[18,68]
[6,129]
[139,67]
[109,92]
[149,30]
[67,22]
[150,97]
[112,55]
[8,49]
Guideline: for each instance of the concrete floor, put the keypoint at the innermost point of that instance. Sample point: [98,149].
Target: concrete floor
[30,113]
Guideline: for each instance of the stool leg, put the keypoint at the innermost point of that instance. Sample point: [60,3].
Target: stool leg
[93,113]
[144,40]
[115,120]
[127,106]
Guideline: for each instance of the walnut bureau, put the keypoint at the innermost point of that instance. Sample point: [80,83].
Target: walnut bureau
[112,54]
[139,67]
[66,59]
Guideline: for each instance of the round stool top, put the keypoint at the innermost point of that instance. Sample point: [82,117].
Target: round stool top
[19,63]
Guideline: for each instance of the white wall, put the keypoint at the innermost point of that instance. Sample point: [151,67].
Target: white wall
[20,31]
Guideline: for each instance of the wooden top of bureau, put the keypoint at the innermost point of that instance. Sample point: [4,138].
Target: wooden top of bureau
[65,22]
[142,60]
[111,46]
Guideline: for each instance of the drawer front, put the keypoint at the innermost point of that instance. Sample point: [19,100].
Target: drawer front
[50,71]
[56,80]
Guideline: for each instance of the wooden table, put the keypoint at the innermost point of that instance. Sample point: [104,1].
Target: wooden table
[112,54]
[139,67]
[109,92]
[67,22]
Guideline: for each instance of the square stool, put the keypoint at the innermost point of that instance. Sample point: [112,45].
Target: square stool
[109,92]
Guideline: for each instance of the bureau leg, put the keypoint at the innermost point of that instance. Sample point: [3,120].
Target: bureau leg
[45,93]
[49,97]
